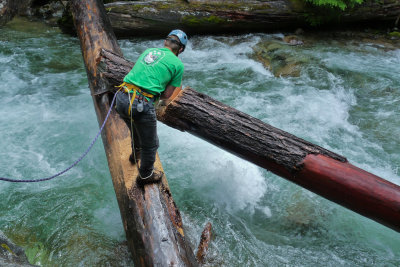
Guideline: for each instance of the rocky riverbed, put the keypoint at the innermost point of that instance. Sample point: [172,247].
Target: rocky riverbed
[11,254]
[278,54]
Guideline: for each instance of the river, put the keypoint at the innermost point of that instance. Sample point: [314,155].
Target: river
[346,99]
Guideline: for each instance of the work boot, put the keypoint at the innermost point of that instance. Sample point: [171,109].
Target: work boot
[154,177]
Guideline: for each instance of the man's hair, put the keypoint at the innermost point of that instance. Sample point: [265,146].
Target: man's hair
[172,43]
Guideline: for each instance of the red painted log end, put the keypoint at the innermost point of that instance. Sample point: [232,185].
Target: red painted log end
[352,187]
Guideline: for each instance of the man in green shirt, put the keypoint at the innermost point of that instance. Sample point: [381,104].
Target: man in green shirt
[156,74]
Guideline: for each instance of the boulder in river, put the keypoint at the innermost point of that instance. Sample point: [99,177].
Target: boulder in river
[278,57]
[11,254]
[51,12]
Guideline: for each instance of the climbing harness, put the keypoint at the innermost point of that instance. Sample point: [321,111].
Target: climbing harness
[133,89]
[73,164]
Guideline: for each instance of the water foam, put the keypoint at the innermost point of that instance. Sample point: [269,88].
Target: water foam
[219,177]
[246,205]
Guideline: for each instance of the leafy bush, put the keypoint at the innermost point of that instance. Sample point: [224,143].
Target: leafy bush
[342,4]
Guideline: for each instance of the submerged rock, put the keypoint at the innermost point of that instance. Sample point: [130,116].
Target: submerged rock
[276,57]
[303,214]
[51,12]
[11,254]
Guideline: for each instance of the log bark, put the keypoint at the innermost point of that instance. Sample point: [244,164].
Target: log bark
[205,240]
[310,166]
[319,170]
[157,17]
[151,220]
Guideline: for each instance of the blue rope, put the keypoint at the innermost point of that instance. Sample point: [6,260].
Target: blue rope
[73,164]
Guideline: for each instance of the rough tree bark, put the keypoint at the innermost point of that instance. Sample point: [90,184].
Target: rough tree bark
[310,166]
[217,16]
[150,217]
[205,240]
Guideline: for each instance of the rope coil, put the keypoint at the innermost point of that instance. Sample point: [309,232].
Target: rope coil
[73,164]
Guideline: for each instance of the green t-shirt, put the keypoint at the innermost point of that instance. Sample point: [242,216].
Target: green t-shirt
[155,69]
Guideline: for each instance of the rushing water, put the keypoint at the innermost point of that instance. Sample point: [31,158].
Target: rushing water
[346,99]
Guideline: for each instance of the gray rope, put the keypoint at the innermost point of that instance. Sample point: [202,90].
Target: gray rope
[73,164]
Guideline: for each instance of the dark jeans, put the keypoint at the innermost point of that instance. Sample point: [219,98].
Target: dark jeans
[145,130]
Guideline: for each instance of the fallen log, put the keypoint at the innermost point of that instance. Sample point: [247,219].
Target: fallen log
[151,220]
[319,170]
[213,17]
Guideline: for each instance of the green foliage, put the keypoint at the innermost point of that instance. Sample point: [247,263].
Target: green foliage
[341,4]
[314,19]
[323,12]
[318,16]
[395,35]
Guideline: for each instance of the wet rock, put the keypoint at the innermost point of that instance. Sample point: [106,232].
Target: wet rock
[10,8]
[50,12]
[11,254]
[293,40]
[278,58]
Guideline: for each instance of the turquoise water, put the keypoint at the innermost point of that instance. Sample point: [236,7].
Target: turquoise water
[346,99]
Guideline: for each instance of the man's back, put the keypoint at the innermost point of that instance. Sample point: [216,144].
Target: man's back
[155,69]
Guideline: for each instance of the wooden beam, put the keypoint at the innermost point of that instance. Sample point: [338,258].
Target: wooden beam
[151,220]
[317,169]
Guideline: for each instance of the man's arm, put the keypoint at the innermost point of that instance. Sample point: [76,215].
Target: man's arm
[170,92]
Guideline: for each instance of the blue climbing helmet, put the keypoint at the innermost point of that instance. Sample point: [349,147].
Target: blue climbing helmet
[181,35]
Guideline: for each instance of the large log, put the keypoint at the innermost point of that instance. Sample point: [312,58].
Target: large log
[319,170]
[151,220]
[217,16]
